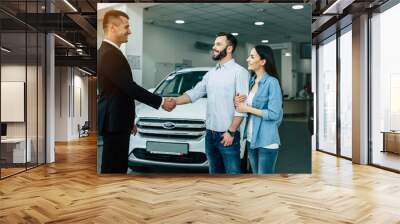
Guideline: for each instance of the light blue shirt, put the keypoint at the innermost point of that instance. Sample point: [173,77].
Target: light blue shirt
[268,99]
[221,84]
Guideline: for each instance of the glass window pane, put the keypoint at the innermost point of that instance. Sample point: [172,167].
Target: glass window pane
[385,84]
[31,97]
[13,86]
[346,94]
[327,96]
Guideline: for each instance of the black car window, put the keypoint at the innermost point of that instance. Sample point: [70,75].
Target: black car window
[178,83]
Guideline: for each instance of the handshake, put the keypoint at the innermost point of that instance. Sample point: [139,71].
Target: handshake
[169,104]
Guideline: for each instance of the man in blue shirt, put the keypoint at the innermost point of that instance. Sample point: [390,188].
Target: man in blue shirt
[221,84]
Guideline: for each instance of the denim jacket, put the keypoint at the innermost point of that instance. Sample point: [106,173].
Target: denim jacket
[268,99]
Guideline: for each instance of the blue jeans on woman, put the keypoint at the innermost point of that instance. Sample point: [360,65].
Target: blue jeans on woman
[222,159]
[262,160]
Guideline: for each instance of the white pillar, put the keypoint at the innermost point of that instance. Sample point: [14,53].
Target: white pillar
[314,92]
[50,99]
[360,90]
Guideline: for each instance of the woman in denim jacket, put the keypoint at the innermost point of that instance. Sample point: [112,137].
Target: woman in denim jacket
[264,107]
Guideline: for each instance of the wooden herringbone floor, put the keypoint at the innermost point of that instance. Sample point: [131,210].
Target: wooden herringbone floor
[70,191]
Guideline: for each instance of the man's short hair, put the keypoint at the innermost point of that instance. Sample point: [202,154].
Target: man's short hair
[111,15]
[231,39]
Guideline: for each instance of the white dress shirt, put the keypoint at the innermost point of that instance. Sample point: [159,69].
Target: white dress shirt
[221,84]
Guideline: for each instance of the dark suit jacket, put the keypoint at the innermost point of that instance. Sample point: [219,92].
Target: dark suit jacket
[118,92]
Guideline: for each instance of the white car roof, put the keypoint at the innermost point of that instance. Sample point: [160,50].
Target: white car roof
[195,69]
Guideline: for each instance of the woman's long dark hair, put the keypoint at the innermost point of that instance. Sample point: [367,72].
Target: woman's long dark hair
[265,52]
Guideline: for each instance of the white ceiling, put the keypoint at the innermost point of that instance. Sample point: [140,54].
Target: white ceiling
[281,22]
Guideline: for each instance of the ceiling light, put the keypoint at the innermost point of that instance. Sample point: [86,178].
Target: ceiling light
[84,71]
[297,7]
[179,21]
[70,5]
[79,50]
[64,40]
[288,54]
[235,34]
[5,50]
[259,23]
[264,41]
[43,7]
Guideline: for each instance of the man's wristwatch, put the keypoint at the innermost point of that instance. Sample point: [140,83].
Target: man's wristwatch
[231,133]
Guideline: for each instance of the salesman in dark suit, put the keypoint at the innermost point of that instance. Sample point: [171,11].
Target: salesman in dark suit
[118,92]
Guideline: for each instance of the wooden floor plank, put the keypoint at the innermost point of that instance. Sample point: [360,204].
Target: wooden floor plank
[70,191]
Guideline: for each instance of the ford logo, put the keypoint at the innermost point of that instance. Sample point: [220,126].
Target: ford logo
[168,125]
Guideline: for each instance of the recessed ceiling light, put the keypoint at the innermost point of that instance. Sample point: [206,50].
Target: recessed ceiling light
[264,41]
[287,54]
[179,21]
[259,23]
[5,50]
[64,40]
[296,7]
[84,71]
[235,34]
[70,5]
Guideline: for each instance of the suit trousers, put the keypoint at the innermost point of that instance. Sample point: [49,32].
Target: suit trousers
[115,152]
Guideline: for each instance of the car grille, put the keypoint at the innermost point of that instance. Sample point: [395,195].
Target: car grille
[171,128]
[191,157]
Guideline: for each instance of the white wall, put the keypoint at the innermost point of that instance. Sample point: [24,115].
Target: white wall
[102,8]
[134,47]
[61,103]
[168,46]
[33,126]
[385,74]
[156,45]
[287,76]
[16,73]
[70,83]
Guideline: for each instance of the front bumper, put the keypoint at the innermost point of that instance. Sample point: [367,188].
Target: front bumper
[196,157]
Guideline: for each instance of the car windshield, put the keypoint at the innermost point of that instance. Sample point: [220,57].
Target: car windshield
[178,83]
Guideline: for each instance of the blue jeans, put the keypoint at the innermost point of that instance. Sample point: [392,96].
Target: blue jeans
[222,159]
[262,160]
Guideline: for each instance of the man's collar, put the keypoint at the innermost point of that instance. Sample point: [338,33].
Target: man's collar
[112,43]
[226,64]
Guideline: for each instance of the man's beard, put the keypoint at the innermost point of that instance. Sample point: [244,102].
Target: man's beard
[220,56]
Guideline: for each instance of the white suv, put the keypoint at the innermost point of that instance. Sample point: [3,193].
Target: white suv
[177,138]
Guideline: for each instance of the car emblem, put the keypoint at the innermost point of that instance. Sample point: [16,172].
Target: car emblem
[168,125]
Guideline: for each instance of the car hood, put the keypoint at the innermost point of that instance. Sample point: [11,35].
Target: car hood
[192,111]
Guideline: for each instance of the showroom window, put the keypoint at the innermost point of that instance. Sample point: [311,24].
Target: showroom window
[345,60]
[326,135]
[385,89]
[334,103]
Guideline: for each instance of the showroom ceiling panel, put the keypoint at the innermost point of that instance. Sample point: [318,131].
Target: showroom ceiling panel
[281,22]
